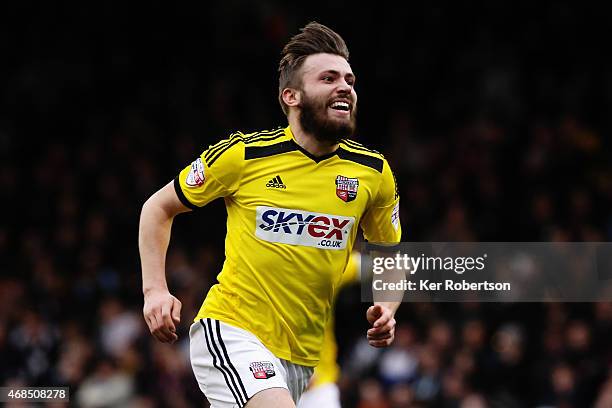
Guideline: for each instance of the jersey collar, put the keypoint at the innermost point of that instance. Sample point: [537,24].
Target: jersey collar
[306,153]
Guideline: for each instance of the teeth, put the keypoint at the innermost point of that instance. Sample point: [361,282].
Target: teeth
[342,105]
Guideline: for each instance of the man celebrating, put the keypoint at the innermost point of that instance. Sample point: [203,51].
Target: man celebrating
[295,198]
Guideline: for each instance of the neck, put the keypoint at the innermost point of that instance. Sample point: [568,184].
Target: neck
[307,141]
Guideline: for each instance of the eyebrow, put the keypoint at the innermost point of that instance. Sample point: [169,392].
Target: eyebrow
[337,73]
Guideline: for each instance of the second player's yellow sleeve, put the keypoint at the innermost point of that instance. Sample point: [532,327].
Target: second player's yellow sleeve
[352,270]
[215,173]
[381,223]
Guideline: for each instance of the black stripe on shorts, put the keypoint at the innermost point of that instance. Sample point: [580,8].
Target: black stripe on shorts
[229,361]
[221,367]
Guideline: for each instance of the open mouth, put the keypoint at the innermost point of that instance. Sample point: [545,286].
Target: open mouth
[341,106]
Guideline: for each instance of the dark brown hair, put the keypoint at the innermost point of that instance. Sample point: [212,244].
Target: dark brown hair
[315,38]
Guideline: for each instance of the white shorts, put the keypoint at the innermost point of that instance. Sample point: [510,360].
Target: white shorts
[322,396]
[231,365]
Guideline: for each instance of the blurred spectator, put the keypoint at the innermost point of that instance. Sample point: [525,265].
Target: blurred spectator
[371,395]
[35,342]
[427,384]
[106,387]
[473,401]
[399,362]
[119,328]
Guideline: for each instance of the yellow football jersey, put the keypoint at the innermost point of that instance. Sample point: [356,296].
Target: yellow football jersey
[291,224]
[328,371]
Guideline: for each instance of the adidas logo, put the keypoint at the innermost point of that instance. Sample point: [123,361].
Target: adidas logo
[276,182]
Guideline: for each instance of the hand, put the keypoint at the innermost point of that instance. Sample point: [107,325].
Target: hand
[382,332]
[162,312]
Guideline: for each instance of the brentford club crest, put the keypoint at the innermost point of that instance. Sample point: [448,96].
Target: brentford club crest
[262,370]
[346,188]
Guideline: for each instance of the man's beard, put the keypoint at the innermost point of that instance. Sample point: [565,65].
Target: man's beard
[315,121]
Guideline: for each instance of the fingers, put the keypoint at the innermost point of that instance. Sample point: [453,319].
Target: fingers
[166,314]
[381,339]
[381,336]
[379,316]
[160,318]
[382,332]
[374,312]
[382,320]
[160,331]
[384,328]
[176,310]
[377,310]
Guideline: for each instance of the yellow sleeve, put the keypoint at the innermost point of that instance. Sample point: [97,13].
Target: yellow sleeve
[215,173]
[381,223]
[352,270]
[328,371]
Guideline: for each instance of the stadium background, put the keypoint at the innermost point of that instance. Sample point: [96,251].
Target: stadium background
[494,116]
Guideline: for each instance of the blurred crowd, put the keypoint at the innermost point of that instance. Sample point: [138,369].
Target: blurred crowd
[498,134]
[484,355]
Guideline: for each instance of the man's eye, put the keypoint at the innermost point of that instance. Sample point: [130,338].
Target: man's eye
[327,79]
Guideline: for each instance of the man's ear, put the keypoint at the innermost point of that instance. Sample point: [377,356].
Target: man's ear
[291,97]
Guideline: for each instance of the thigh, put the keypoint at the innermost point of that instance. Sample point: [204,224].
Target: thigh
[231,365]
[271,397]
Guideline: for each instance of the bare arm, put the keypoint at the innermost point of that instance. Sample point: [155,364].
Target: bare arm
[381,315]
[161,309]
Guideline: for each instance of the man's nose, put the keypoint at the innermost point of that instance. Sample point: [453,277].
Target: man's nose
[345,87]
